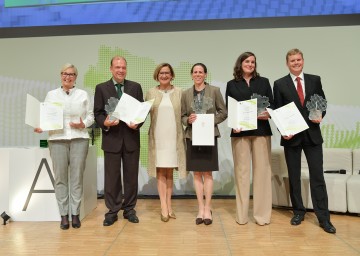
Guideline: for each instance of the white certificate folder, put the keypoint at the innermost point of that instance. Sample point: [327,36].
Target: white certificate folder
[288,119]
[243,114]
[130,109]
[45,115]
[203,130]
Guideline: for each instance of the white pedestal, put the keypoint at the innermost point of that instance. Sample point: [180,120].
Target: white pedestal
[31,197]
[353,191]
[336,191]
[4,180]
[279,179]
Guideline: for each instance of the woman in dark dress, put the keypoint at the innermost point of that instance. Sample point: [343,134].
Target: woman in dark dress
[202,160]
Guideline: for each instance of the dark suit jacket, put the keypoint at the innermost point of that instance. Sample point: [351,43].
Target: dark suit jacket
[120,135]
[240,91]
[285,92]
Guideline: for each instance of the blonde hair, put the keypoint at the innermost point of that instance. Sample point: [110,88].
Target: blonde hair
[159,67]
[69,65]
[293,52]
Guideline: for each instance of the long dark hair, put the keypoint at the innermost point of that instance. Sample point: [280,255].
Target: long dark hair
[238,72]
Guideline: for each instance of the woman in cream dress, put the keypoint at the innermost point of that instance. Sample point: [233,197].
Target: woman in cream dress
[166,137]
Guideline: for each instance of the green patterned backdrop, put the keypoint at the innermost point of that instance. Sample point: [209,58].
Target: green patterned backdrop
[139,69]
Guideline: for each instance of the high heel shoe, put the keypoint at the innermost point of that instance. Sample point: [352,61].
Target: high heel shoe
[64,224]
[208,221]
[164,218]
[75,223]
[172,215]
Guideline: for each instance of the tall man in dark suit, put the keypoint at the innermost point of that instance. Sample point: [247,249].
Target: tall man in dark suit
[121,143]
[298,87]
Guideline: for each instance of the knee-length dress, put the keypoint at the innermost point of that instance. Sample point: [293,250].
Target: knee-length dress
[202,158]
[165,133]
[166,144]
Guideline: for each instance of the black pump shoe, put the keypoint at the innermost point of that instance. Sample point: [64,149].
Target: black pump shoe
[75,221]
[64,224]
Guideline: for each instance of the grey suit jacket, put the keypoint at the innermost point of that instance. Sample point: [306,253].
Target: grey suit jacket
[218,108]
[285,92]
[120,135]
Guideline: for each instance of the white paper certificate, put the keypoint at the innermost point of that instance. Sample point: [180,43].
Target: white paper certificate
[288,119]
[130,109]
[46,115]
[203,130]
[242,114]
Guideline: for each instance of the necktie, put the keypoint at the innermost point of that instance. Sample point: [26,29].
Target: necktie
[119,91]
[300,91]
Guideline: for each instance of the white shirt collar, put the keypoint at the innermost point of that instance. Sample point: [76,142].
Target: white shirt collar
[293,77]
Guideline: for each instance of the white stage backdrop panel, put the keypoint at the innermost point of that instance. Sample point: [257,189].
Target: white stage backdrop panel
[32,65]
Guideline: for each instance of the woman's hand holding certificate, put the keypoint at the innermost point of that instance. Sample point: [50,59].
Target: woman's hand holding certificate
[43,116]
[242,115]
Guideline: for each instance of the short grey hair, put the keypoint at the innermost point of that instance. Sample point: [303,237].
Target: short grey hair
[69,65]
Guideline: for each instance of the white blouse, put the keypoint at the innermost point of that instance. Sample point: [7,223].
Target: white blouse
[76,104]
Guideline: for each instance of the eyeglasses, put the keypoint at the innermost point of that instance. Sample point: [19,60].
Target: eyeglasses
[164,73]
[68,74]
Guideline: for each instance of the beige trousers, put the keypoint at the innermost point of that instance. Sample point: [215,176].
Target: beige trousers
[255,152]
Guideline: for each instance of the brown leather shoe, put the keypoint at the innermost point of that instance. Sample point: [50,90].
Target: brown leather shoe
[208,221]
[199,221]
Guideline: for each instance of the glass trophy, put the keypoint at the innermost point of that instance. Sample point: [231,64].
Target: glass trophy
[316,105]
[262,103]
[201,104]
[110,107]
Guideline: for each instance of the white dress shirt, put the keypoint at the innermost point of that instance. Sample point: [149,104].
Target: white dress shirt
[76,104]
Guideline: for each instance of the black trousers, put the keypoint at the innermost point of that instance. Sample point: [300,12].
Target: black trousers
[115,200]
[314,157]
